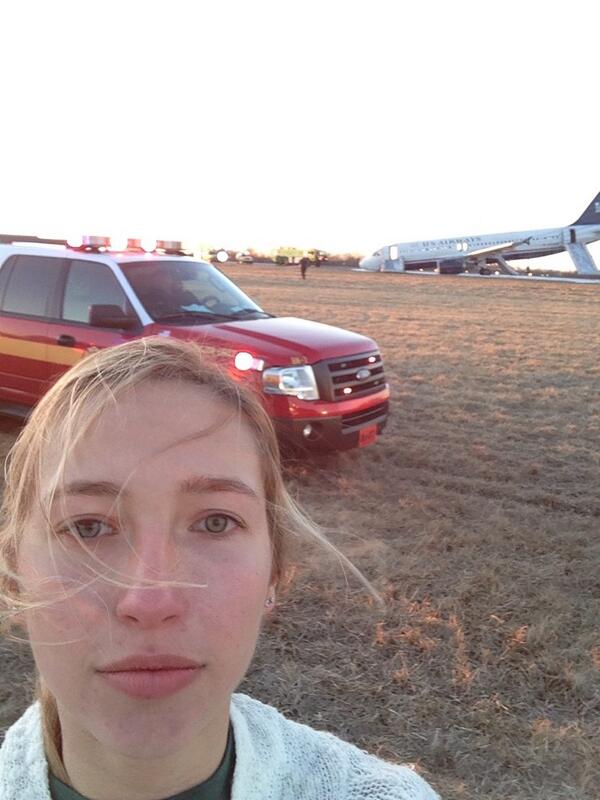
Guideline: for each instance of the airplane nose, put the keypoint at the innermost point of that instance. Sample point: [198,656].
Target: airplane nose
[370,263]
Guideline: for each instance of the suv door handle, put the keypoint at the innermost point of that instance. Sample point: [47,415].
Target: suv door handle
[66,341]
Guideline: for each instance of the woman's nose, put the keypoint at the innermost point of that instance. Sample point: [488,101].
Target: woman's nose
[150,595]
[148,606]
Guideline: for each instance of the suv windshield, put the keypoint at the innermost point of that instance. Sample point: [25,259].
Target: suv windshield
[179,291]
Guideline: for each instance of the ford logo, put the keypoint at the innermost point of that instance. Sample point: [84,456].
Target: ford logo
[363,374]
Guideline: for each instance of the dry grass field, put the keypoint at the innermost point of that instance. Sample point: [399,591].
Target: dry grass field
[476,516]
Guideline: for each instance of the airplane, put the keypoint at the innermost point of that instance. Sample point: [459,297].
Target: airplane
[468,253]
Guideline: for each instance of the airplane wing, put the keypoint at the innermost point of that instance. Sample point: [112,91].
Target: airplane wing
[497,248]
[501,247]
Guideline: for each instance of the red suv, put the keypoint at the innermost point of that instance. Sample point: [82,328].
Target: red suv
[323,387]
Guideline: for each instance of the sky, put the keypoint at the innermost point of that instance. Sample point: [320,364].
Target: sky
[339,125]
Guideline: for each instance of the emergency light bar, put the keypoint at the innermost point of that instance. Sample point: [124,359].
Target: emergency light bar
[95,243]
[122,245]
[170,246]
[140,245]
[100,244]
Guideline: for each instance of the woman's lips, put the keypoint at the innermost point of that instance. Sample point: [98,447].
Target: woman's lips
[150,677]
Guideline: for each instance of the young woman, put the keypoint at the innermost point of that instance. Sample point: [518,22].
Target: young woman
[145,528]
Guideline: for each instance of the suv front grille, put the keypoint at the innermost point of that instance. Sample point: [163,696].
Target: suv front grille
[361,418]
[355,376]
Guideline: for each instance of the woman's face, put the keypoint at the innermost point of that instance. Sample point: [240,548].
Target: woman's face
[143,667]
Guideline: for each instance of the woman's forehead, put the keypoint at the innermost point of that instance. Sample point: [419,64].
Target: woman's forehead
[177,428]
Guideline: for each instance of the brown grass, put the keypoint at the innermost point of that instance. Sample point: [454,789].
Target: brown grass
[476,515]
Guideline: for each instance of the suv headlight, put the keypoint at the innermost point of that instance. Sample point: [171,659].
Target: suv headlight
[297,381]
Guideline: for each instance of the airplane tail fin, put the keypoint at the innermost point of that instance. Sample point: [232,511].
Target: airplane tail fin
[591,216]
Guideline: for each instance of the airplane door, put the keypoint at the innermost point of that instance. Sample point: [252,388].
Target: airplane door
[390,254]
[392,261]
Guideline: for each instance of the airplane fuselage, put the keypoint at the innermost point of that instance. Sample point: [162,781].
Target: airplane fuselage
[475,250]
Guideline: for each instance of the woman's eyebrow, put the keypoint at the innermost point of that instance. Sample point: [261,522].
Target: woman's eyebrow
[200,484]
[88,488]
[196,484]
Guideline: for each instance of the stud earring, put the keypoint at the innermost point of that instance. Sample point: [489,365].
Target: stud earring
[269,602]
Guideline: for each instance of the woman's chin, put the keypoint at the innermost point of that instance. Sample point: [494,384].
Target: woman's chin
[139,739]
[149,729]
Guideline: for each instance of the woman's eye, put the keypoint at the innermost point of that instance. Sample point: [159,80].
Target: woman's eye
[88,528]
[219,523]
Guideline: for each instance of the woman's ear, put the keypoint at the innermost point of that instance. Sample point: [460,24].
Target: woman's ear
[270,601]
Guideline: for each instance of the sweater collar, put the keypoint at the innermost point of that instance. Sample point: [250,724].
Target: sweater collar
[24,769]
[23,766]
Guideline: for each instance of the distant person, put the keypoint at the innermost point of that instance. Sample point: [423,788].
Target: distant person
[145,525]
[304,265]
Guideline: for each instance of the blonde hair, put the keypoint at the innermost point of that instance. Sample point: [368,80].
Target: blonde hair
[63,417]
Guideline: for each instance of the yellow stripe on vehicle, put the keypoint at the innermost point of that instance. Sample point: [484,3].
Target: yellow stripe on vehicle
[36,351]
[65,355]
[21,348]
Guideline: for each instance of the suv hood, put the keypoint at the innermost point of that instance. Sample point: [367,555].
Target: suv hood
[279,340]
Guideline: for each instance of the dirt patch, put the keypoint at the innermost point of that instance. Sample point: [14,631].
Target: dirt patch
[476,515]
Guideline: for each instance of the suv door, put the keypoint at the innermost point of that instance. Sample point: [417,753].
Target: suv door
[71,336]
[28,288]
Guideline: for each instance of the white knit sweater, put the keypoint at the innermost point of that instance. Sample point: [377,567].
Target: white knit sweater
[276,759]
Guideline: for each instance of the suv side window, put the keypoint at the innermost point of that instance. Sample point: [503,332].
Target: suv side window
[31,284]
[4,272]
[91,283]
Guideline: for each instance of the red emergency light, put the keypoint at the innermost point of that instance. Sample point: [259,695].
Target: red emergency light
[101,244]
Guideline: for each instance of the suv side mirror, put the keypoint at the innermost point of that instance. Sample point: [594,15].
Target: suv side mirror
[108,316]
